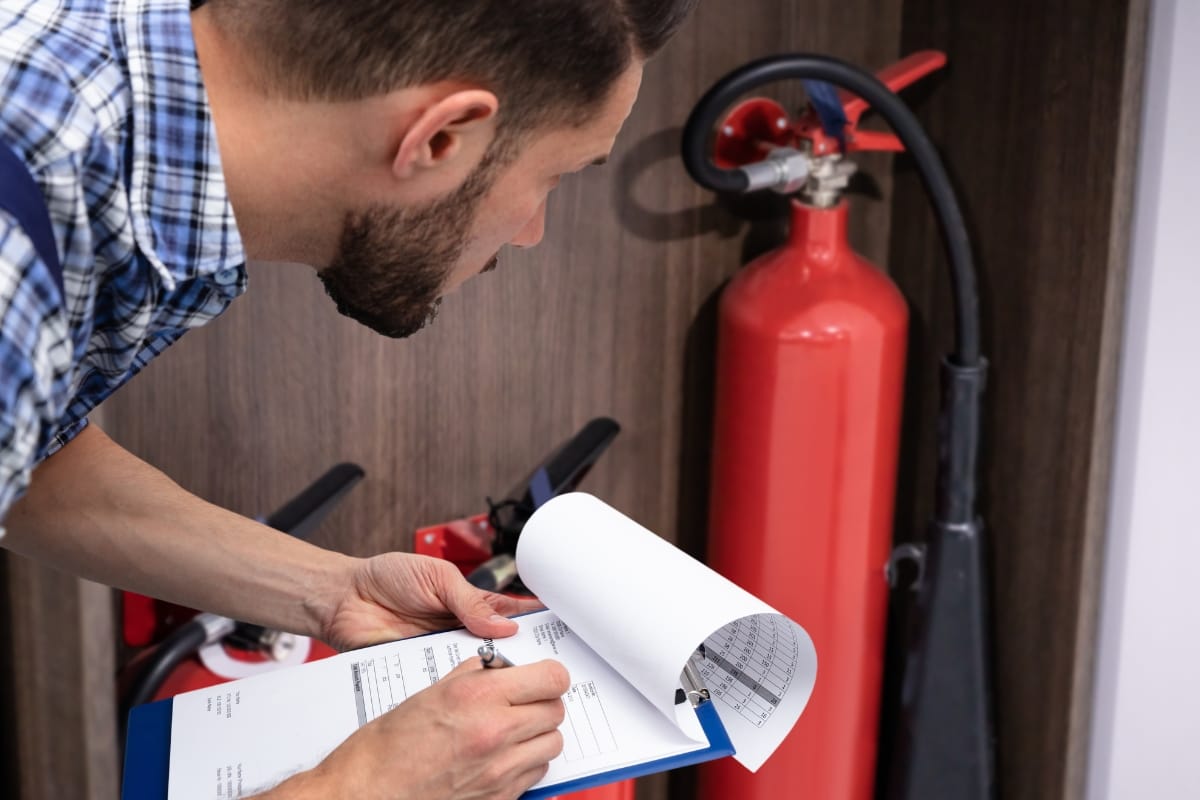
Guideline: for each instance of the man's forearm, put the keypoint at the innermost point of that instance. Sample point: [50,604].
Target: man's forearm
[95,510]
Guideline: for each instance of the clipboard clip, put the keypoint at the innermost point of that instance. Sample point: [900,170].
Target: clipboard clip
[693,689]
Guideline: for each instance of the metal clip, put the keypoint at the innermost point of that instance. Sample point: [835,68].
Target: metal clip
[693,685]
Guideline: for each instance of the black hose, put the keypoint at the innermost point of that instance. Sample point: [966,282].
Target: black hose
[706,114]
[174,650]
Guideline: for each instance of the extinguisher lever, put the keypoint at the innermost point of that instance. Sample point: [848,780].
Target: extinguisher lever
[560,472]
[832,117]
[898,76]
[301,515]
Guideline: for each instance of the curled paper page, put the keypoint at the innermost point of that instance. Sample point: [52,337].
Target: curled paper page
[645,607]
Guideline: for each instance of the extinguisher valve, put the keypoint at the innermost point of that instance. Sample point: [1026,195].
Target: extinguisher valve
[758,146]
[784,170]
[827,179]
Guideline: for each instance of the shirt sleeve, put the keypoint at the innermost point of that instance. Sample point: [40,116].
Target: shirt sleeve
[35,361]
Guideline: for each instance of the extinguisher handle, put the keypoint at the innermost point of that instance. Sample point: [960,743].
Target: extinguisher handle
[896,77]
[559,472]
[301,515]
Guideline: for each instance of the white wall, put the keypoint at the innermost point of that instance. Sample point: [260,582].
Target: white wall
[1146,734]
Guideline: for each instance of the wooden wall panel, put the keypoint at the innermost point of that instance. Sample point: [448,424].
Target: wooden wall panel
[58,725]
[58,711]
[1037,116]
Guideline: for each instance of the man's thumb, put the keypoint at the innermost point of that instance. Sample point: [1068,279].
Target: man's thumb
[471,606]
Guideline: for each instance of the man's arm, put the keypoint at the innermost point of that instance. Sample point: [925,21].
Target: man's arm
[95,510]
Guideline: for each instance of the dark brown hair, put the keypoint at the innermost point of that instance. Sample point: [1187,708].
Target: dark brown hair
[548,61]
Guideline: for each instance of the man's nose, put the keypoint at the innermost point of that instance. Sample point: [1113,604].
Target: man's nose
[534,229]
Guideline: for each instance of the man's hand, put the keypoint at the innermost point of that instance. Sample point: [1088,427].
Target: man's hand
[396,595]
[477,734]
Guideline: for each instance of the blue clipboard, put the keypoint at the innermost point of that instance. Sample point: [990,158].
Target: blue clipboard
[719,747]
[148,755]
[148,752]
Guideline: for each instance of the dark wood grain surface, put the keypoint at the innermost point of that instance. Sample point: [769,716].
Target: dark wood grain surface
[1036,116]
[57,704]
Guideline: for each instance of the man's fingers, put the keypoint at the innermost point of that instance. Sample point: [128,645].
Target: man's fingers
[533,719]
[466,666]
[538,751]
[515,686]
[508,606]
[529,761]
[530,683]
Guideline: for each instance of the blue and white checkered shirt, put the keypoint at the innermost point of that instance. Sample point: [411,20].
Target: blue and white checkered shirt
[105,104]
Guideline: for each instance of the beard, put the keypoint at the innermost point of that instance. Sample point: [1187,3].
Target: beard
[392,264]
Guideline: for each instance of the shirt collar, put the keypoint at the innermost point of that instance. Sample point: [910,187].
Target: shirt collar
[181,215]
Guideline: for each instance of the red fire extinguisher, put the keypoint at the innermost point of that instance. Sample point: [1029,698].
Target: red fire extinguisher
[810,375]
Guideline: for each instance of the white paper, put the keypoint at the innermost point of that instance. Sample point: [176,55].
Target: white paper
[645,605]
[627,610]
[243,737]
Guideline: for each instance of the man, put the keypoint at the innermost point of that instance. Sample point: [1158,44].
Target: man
[396,146]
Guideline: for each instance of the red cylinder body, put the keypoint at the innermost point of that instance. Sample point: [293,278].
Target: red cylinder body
[810,372]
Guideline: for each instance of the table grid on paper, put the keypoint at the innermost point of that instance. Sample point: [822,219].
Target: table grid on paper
[382,685]
[586,730]
[431,668]
[749,665]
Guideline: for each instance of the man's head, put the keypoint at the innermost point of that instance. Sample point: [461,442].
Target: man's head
[397,145]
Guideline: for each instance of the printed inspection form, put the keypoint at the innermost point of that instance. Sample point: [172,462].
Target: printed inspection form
[623,619]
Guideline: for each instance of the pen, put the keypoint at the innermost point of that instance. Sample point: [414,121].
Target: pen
[492,658]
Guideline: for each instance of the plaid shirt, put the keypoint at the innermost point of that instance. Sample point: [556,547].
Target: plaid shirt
[105,104]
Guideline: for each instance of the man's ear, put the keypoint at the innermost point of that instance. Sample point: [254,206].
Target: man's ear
[438,133]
